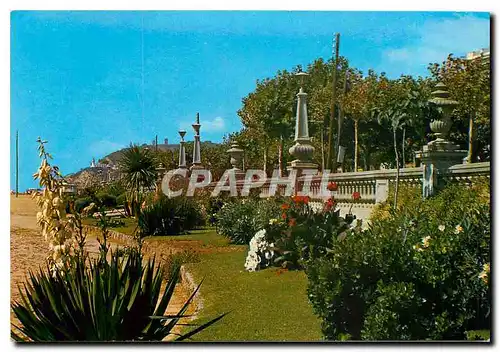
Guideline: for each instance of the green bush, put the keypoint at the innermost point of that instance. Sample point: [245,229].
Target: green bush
[81,203]
[169,216]
[421,272]
[122,300]
[121,199]
[213,205]
[107,200]
[115,189]
[240,219]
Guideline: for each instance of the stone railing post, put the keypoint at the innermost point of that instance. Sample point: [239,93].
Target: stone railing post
[381,190]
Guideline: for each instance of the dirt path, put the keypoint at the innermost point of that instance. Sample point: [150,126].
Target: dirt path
[29,251]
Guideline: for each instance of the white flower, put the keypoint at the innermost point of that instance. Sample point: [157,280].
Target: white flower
[259,250]
[57,202]
[426,241]
[441,228]
[252,261]
[458,229]
[273,221]
[417,248]
[260,234]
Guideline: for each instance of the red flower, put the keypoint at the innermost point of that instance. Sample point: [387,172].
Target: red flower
[330,203]
[356,196]
[292,222]
[283,216]
[332,186]
[285,206]
[300,199]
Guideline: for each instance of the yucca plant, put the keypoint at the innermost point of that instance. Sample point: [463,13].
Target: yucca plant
[119,301]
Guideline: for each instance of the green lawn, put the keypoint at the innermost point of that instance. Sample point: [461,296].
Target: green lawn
[128,228]
[268,305]
[263,306]
[207,238]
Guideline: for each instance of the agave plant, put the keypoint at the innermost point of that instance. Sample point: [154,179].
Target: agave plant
[119,301]
[169,216]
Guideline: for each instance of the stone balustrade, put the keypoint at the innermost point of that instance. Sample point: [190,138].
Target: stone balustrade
[468,173]
[373,186]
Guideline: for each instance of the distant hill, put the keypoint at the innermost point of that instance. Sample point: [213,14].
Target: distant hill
[114,157]
[106,169]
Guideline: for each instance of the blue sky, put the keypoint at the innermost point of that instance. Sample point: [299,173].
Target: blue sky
[92,82]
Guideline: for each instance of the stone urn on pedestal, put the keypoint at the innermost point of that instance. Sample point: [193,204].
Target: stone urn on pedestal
[440,154]
[236,154]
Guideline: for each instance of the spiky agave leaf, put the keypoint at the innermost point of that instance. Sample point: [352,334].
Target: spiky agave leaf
[119,301]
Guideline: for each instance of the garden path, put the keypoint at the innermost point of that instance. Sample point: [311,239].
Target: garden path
[29,251]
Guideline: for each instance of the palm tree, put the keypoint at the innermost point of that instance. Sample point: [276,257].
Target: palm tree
[138,168]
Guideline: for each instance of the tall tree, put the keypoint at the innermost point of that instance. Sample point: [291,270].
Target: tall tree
[398,102]
[358,103]
[468,82]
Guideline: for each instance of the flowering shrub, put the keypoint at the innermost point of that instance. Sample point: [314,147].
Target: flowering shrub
[302,233]
[421,272]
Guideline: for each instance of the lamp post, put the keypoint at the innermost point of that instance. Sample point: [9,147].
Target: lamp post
[182,150]
[160,171]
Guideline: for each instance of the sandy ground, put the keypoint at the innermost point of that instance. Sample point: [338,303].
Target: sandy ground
[29,251]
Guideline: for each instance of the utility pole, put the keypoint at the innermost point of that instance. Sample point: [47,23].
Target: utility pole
[340,123]
[322,149]
[156,143]
[17,163]
[332,110]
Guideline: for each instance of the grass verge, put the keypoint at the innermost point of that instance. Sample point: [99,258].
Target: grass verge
[268,305]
